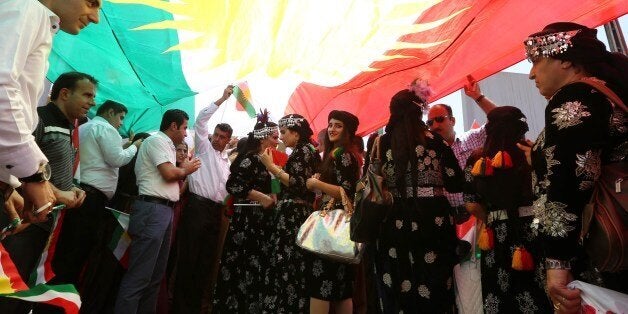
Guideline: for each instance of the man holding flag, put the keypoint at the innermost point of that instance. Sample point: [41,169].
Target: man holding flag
[199,230]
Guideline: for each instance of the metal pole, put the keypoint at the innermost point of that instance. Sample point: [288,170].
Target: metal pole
[615,37]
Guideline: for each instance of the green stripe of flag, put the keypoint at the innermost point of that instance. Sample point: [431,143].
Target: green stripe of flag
[245,102]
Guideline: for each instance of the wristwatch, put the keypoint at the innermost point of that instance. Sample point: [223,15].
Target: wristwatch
[43,174]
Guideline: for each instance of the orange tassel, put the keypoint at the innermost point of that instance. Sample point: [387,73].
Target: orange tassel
[517,263]
[477,168]
[497,160]
[502,160]
[482,167]
[486,241]
[522,260]
[528,261]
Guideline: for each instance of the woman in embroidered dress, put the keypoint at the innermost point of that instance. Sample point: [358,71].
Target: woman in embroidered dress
[285,280]
[502,199]
[582,133]
[245,255]
[415,252]
[330,283]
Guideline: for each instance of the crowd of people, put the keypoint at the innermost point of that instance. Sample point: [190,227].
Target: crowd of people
[213,229]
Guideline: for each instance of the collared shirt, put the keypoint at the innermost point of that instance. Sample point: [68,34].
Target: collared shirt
[211,179]
[154,151]
[26,29]
[53,135]
[102,155]
[463,146]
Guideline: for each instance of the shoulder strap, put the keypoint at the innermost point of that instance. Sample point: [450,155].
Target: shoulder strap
[375,150]
[601,86]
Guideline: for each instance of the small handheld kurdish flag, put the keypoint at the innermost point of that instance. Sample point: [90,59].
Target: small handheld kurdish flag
[120,240]
[12,286]
[243,97]
[44,272]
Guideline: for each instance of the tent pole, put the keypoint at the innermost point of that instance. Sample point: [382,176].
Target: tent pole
[615,37]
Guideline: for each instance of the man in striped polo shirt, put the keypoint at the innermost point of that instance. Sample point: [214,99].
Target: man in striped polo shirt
[72,95]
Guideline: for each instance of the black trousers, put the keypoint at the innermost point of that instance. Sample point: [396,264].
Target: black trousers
[198,235]
[79,234]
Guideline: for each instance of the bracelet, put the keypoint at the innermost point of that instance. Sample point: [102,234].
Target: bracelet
[551,263]
[279,173]
[479,98]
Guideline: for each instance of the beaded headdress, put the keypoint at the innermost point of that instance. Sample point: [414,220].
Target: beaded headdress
[290,121]
[548,45]
[265,130]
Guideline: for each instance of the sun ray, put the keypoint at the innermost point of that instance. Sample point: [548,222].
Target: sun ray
[284,37]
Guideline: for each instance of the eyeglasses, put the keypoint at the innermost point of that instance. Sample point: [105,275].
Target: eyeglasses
[438,119]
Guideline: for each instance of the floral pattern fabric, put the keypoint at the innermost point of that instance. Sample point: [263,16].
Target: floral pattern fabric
[582,132]
[326,279]
[284,279]
[504,289]
[415,252]
[245,255]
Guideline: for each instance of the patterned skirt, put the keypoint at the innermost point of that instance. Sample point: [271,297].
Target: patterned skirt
[244,259]
[414,257]
[505,290]
[285,279]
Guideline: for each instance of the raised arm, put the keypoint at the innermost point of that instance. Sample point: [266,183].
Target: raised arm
[472,89]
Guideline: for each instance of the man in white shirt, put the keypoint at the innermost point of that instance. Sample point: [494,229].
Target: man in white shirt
[26,30]
[150,223]
[198,233]
[101,155]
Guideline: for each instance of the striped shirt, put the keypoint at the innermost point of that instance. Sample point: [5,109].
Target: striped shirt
[463,146]
[53,135]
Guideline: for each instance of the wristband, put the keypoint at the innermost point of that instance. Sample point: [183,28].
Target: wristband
[551,263]
[479,98]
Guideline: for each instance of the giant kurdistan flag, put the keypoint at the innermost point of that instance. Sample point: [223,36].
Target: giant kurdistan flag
[303,56]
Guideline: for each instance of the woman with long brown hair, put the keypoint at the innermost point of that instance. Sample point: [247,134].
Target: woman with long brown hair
[330,283]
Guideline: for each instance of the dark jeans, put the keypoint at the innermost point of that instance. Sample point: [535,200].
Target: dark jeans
[197,240]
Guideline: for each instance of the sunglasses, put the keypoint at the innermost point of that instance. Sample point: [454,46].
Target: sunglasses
[438,119]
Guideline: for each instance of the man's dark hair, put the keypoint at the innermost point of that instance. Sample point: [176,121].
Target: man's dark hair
[110,104]
[68,80]
[225,128]
[173,115]
[450,113]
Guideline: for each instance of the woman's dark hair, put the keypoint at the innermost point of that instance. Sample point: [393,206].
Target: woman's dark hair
[506,188]
[591,55]
[347,142]
[252,144]
[297,123]
[406,131]
[506,126]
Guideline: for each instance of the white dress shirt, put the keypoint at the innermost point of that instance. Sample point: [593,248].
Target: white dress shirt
[154,151]
[102,155]
[26,29]
[211,178]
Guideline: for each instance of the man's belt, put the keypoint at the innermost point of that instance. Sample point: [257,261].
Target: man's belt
[156,200]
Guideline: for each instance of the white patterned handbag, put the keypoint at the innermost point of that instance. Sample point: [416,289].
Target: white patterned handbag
[326,233]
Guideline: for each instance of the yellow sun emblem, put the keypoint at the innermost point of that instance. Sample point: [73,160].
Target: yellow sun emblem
[325,42]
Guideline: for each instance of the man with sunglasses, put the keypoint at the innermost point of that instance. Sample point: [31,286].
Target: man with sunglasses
[440,119]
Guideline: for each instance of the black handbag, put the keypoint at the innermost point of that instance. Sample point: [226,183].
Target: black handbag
[372,201]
